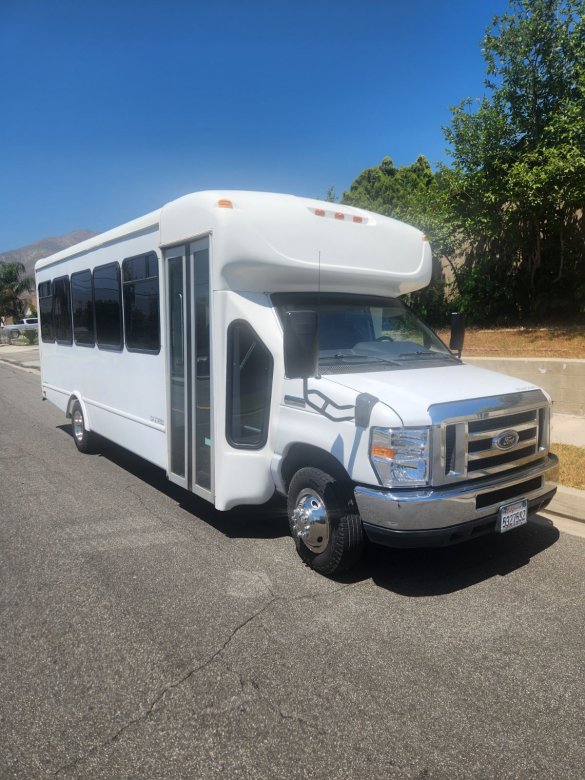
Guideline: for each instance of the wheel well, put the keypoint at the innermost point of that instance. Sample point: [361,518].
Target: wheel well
[70,403]
[301,455]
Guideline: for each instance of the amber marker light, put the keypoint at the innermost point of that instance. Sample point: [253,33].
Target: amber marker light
[224,203]
[358,219]
[383,452]
[339,215]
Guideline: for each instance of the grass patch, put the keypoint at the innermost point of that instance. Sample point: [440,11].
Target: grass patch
[563,341]
[571,465]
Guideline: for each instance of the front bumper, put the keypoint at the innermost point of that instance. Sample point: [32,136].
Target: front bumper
[450,514]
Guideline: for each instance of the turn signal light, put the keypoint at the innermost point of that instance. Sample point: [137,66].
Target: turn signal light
[383,452]
[224,203]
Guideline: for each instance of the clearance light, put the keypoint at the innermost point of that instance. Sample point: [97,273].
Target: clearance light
[339,215]
[224,203]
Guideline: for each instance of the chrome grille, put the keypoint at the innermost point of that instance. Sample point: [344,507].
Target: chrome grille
[483,452]
[491,435]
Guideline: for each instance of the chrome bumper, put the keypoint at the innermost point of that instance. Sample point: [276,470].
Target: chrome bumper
[430,509]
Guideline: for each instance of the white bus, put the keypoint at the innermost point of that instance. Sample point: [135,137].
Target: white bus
[249,343]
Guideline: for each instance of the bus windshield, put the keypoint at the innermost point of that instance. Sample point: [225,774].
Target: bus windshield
[355,330]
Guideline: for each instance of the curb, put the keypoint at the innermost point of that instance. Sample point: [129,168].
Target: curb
[568,503]
[23,366]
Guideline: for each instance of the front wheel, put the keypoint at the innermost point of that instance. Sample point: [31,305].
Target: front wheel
[84,439]
[326,527]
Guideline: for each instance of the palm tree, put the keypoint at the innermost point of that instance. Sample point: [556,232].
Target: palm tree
[12,286]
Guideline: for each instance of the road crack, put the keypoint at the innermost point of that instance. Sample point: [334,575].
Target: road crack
[159,699]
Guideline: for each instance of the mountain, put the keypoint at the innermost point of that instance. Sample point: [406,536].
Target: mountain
[28,255]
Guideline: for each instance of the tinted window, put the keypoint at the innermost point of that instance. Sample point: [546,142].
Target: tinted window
[249,382]
[108,306]
[82,305]
[62,311]
[46,311]
[141,303]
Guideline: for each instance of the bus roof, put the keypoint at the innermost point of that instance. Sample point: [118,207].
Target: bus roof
[267,242]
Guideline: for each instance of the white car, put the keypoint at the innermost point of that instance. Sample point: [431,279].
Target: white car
[28,323]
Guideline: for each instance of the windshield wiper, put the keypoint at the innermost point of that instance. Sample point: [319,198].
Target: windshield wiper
[426,353]
[367,358]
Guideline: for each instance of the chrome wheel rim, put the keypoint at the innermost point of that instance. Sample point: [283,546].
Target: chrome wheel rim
[78,425]
[309,521]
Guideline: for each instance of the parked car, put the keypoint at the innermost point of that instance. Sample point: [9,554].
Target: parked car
[28,323]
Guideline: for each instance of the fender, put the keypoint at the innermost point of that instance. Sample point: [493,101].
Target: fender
[76,396]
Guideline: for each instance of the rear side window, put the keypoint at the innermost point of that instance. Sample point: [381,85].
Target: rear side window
[108,306]
[63,329]
[46,311]
[82,305]
[250,367]
[141,303]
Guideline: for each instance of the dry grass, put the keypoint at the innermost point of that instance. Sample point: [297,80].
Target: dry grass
[566,341]
[571,465]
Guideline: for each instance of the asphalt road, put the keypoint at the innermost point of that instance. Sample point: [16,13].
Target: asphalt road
[144,635]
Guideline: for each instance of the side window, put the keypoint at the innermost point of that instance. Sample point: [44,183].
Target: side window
[249,385]
[46,311]
[62,326]
[141,303]
[82,305]
[107,297]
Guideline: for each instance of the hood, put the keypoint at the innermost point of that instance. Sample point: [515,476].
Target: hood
[410,393]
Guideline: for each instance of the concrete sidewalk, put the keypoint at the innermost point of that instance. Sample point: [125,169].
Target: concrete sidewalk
[23,356]
[568,504]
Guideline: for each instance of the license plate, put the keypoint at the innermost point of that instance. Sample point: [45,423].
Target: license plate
[512,515]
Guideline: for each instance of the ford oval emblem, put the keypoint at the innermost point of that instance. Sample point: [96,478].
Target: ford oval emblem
[506,440]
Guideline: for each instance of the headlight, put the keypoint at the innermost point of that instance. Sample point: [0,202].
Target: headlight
[400,457]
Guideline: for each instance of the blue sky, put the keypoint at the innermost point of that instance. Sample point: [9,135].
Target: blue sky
[110,109]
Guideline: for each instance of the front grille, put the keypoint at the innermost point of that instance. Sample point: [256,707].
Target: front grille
[492,435]
[483,453]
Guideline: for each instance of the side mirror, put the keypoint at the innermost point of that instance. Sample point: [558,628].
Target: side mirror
[457,332]
[301,345]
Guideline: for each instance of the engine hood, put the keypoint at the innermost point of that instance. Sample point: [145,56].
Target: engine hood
[410,393]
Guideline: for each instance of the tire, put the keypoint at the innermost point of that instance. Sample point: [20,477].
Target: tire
[323,522]
[84,439]
[14,334]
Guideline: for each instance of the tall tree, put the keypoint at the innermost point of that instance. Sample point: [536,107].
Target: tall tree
[413,194]
[12,286]
[518,180]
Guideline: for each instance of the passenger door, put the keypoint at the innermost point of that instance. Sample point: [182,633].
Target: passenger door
[189,367]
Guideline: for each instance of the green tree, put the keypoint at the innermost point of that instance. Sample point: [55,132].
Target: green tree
[13,284]
[413,194]
[518,178]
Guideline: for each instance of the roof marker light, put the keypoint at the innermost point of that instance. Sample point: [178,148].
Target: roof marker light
[339,215]
[224,203]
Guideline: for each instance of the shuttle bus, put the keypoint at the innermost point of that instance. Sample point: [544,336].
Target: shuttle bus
[248,343]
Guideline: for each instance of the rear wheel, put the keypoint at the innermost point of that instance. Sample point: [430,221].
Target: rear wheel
[84,439]
[323,521]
